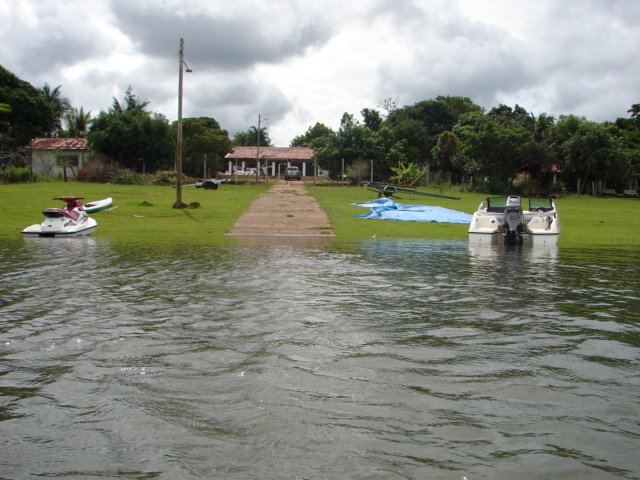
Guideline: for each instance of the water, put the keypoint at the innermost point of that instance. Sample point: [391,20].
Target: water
[380,360]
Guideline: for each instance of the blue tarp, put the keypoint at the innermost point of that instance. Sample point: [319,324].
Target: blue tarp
[387,209]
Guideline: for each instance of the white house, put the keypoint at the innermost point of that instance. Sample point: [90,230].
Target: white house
[275,159]
[53,156]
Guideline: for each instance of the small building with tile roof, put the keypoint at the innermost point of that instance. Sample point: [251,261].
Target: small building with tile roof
[54,156]
[247,159]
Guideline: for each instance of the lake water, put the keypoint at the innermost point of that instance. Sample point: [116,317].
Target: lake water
[378,360]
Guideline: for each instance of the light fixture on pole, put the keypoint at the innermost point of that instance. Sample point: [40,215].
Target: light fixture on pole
[183,65]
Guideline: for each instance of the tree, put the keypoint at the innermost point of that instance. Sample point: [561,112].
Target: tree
[131,102]
[249,138]
[627,130]
[318,131]
[590,152]
[59,104]
[445,151]
[389,104]
[372,119]
[29,113]
[5,110]
[415,136]
[635,112]
[203,138]
[77,122]
[133,137]
[353,142]
[421,123]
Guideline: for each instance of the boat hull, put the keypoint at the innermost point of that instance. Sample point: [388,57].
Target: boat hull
[495,238]
[61,227]
[97,205]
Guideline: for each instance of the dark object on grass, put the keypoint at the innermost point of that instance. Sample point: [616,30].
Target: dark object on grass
[208,184]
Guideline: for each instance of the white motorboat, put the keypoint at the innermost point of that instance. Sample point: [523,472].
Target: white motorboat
[71,220]
[502,219]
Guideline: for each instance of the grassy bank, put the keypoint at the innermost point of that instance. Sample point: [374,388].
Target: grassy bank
[145,214]
[586,221]
[336,201]
[142,213]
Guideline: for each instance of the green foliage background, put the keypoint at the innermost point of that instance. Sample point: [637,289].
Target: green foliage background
[450,138]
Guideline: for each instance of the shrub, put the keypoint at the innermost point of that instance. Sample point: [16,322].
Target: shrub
[358,171]
[165,177]
[126,177]
[96,170]
[13,174]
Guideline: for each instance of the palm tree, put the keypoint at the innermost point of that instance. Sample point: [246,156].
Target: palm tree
[59,104]
[77,122]
[249,138]
[131,102]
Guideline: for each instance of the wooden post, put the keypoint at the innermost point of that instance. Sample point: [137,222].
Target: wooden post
[179,203]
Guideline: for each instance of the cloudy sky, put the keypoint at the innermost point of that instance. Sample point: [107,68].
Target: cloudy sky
[299,62]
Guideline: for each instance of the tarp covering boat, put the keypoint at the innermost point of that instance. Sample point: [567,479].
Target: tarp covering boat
[387,209]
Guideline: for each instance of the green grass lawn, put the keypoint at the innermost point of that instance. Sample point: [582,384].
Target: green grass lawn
[144,213]
[336,201]
[585,221]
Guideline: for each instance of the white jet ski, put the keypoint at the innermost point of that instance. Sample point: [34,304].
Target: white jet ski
[71,220]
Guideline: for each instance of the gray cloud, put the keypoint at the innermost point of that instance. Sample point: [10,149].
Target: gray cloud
[47,41]
[217,41]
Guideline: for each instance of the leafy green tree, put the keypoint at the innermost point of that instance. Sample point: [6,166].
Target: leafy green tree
[467,155]
[397,154]
[352,142]
[497,145]
[203,138]
[372,119]
[589,152]
[29,115]
[5,110]
[525,136]
[133,137]
[421,124]
[327,152]
[628,132]
[318,131]
[445,151]
[415,136]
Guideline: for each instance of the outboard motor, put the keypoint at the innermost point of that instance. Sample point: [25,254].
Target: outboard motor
[513,221]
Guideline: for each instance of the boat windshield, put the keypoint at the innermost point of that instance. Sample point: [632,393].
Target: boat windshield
[496,204]
[540,205]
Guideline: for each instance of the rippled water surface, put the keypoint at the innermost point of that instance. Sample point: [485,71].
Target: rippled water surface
[380,360]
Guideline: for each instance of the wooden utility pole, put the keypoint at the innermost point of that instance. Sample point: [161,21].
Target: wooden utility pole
[179,203]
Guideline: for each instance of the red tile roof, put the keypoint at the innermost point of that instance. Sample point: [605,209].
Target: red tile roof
[272,153]
[58,144]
